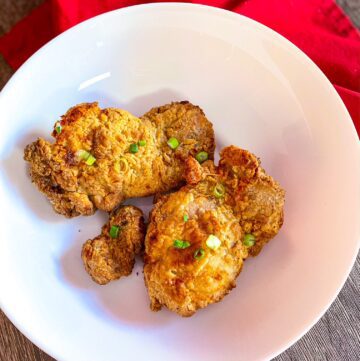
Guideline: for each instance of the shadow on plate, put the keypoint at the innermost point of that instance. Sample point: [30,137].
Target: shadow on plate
[126,300]
[123,300]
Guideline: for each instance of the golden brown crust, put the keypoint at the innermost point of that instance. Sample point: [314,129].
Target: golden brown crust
[238,163]
[117,173]
[68,203]
[174,277]
[257,199]
[252,203]
[187,123]
[106,258]
[193,171]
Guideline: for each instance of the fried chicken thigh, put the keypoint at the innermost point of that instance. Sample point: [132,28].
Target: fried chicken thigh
[101,157]
[111,255]
[199,236]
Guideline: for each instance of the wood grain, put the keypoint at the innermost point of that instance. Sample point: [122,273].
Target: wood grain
[335,337]
[352,9]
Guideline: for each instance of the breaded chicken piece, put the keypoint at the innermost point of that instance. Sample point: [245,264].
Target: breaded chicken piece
[103,156]
[256,198]
[199,236]
[111,255]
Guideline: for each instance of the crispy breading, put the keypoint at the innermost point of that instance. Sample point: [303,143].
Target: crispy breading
[77,188]
[106,258]
[256,198]
[252,203]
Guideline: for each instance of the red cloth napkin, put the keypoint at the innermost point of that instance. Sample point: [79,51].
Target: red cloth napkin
[318,27]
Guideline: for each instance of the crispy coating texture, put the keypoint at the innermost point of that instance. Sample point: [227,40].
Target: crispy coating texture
[256,198]
[107,258]
[76,188]
[253,203]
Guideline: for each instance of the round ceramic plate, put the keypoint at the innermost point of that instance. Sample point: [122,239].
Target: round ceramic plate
[262,94]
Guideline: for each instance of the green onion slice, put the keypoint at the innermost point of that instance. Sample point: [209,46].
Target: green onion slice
[86,156]
[83,154]
[219,190]
[91,160]
[58,127]
[173,143]
[202,157]
[213,242]
[186,217]
[199,253]
[134,148]
[181,244]
[142,143]
[249,240]
[114,231]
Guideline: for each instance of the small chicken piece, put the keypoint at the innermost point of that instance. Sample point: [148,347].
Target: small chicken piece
[198,237]
[111,255]
[103,156]
[256,198]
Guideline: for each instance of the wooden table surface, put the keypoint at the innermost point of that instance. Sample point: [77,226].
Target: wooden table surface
[335,337]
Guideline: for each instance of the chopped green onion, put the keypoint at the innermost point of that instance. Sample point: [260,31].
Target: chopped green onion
[173,143]
[83,154]
[86,156]
[201,157]
[91,160]
[58,127]
[186,217]
[199,253]
[181,244]
[219,190]
[134,148]
[213,242]
[114,231]
[249,240]
[142,143]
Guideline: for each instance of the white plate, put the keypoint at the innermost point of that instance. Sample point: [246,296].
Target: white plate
[262,94]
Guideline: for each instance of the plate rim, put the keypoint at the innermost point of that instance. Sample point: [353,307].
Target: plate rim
[220,12]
